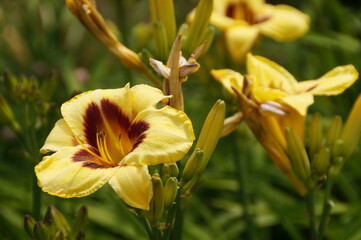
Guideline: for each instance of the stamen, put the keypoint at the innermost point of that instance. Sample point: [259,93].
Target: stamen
[102,147]
[87,149]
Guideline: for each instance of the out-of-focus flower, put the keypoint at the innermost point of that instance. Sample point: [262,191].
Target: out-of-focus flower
[243,21]
[111,136]
[271,99]
[87,13]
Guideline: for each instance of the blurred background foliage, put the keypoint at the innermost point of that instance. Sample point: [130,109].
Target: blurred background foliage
[40,38]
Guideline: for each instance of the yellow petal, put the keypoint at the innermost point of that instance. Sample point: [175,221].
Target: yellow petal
[264,94]
[88,111]
[133,184]
[240,40]
[228,78]
[59,137]
[144,96]
[285,22]
[332,83]
[71,172]
[300,102]
[264,72]
[168,138]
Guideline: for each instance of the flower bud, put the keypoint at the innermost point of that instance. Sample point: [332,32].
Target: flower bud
[173,170]
[41,231]
[160,40]
[210,133]
[156,205]
[29,223]
[81,218]
[58,219]
[352,130]
[170,192]
[191,166]
[315,134]
[298,155]
[321,161]
[199,25]
[337,149]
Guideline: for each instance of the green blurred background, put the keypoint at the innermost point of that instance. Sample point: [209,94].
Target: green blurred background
[41,38]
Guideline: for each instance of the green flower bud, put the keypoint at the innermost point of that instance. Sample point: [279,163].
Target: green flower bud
[210,133]
[337,149]
[298,155]
[170,192]
[199,25]
[173,170]
[29,223]
[191,167]
[315,134]
[59,221]
[156,205]
[160,40]
[41,231]
[81,218]
[321,161]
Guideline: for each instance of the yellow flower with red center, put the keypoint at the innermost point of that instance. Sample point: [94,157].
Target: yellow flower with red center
[112,136]
[271,99]
[243,21]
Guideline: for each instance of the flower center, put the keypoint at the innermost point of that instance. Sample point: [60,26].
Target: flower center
[242,11]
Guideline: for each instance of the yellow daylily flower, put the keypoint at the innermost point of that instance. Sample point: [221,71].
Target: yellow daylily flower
[111,136]
[271,99]
[244,21]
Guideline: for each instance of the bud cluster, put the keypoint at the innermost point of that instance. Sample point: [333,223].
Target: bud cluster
[55,226]
[325,154]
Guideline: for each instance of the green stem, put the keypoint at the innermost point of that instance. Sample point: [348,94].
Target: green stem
[312,214]
[146,224]
[241,163]
[326,208]
[36,199]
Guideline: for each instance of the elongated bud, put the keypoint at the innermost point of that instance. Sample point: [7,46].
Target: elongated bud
[40,231]
[321,161]
[210,133]
[298,155]
[191,166]
[352,130]
[199,25]
[156,205]
[334,131]
[58,219]
[170,192]
[29,223]
[163,11]
[315,134]
[174,83]
[81,218]
[80,236]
